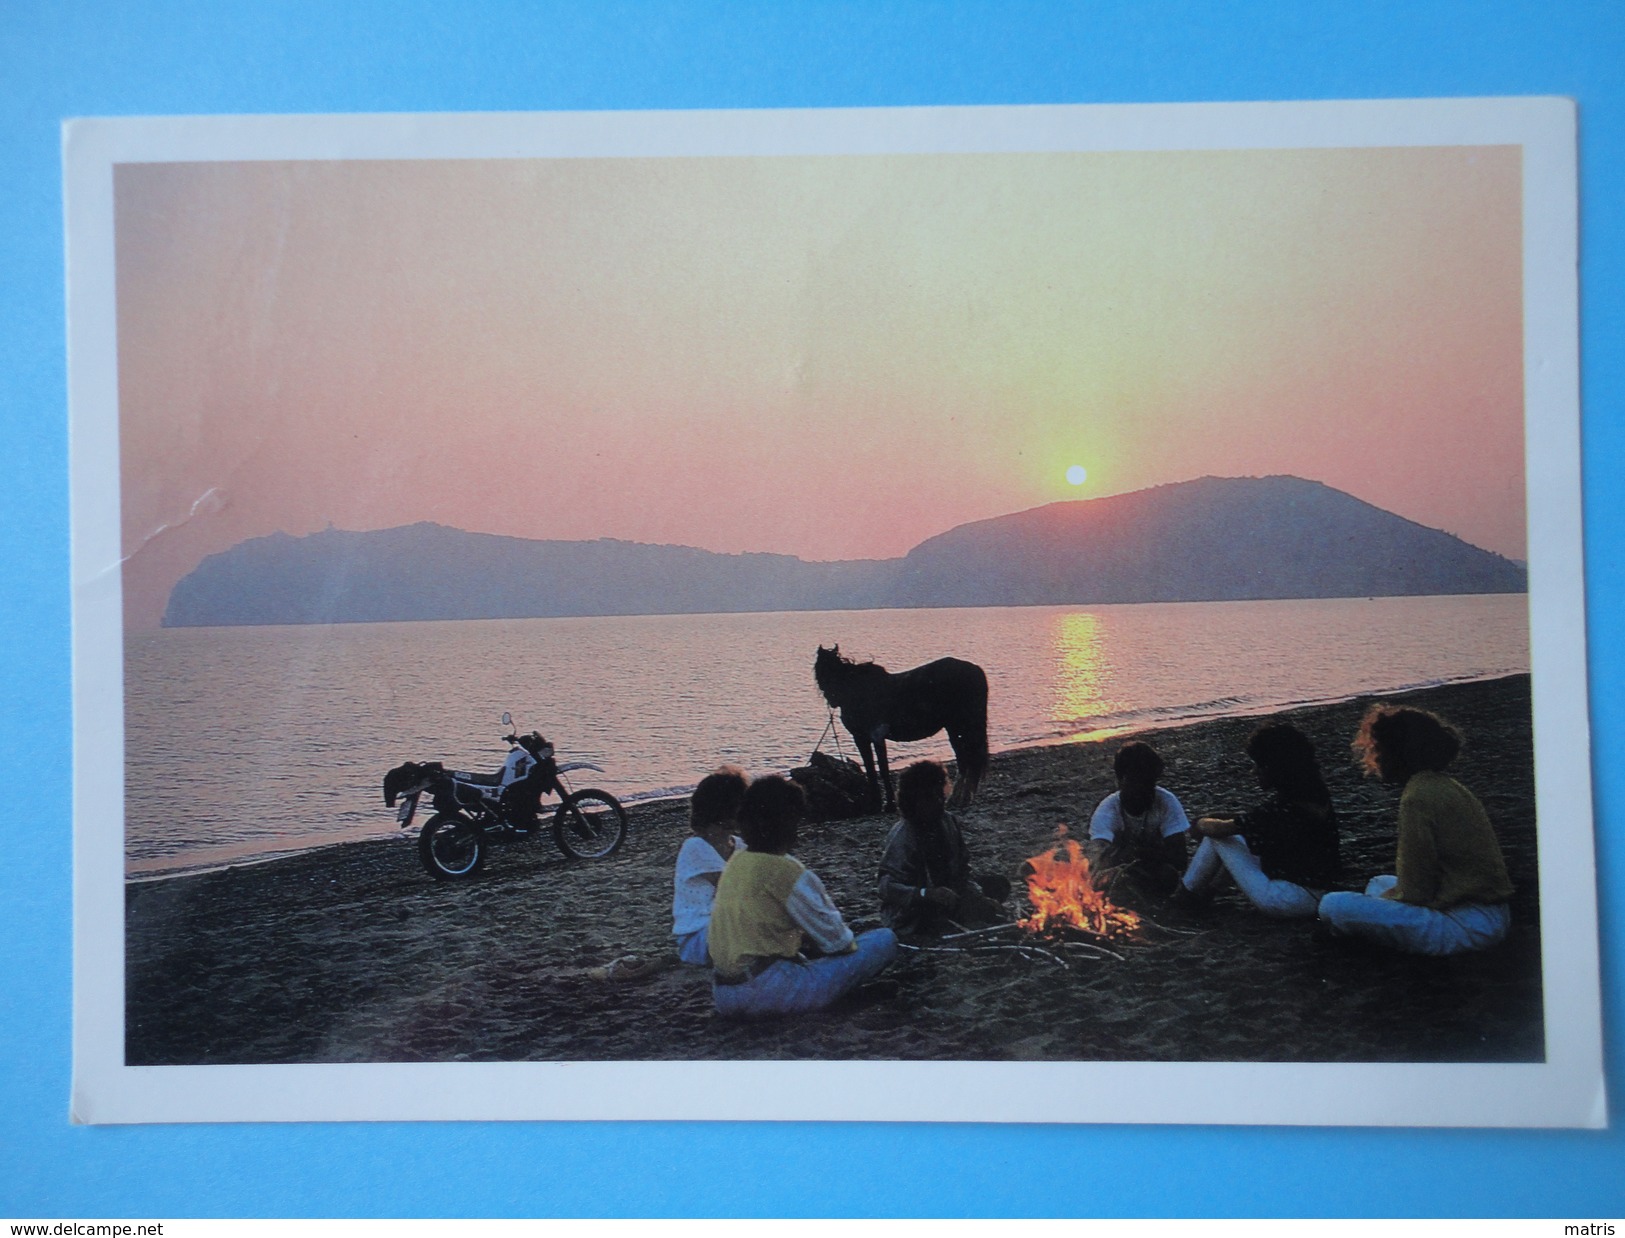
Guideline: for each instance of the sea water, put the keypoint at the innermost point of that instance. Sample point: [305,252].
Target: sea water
[249,742]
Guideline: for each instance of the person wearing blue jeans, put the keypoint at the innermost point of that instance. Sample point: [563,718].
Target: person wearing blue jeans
[1379,917]
[1279,852]
[778,944]
[803,985]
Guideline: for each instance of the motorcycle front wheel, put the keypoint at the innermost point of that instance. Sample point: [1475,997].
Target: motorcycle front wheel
[589,825]
[451,847]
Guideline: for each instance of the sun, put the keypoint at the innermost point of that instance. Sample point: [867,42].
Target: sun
[1077,474]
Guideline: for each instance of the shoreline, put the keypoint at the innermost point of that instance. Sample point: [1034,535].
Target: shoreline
[840,610]
[350,953]
[661,798]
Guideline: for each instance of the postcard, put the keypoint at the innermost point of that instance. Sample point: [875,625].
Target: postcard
[1013,614]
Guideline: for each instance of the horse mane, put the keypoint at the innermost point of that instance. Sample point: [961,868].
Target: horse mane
[832,668]
[833,661]
[866,670]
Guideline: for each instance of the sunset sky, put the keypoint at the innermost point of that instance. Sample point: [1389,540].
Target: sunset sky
[833,357]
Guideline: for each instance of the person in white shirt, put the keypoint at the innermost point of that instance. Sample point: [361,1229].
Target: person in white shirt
[713,815]
[1140,828]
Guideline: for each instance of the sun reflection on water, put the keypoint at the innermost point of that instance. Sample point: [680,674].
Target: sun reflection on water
[1081,668]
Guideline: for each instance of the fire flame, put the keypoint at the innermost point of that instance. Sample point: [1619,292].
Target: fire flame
[1062,892]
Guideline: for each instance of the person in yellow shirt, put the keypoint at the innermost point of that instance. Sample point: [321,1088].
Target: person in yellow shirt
[778,945]
[1449,891]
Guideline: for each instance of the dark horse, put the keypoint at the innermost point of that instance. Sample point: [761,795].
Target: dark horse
[875,706]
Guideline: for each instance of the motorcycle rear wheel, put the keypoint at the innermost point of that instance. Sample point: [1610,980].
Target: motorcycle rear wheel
[451,847]
[589,825]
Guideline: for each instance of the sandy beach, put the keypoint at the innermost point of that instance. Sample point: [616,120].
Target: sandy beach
[352,954]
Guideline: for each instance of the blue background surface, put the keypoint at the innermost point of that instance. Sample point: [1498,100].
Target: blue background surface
[87,59]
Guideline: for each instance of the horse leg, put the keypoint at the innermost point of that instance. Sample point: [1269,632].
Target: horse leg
[867,750]
[885,775]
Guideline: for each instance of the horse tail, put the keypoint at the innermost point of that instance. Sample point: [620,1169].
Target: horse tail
[976,757]
[970,747]
[975,761]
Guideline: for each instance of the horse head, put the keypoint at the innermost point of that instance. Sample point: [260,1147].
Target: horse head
[827,668]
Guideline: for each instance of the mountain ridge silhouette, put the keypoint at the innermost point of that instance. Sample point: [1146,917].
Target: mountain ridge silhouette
[1209,539]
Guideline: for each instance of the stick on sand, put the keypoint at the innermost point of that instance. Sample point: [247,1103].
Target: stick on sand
[982,932]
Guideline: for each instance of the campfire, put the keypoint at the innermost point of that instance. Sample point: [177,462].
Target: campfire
[1073,918]
[1062,892]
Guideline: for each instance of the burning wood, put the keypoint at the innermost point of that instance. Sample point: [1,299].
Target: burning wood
[1062,892]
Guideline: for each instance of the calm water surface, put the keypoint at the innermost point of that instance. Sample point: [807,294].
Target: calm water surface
[250,742]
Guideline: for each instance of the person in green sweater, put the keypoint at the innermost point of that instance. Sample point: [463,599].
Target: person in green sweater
[1448,893]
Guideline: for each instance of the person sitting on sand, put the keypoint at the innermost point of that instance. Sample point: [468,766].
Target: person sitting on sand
[1450,887]
[1140,828]
[713,815]
[925,881]
[1282,853]
[778,944]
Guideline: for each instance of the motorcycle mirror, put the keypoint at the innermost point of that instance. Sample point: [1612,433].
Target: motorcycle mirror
[507,718]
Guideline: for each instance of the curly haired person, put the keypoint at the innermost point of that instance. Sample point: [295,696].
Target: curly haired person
[1449,891]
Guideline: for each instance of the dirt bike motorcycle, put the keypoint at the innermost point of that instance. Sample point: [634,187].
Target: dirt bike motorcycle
[474,812]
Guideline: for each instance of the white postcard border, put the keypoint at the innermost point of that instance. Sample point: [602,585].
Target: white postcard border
[1566,1090]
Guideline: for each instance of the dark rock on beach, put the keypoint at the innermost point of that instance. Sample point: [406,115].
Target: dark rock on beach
[837,788]
[352,954]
